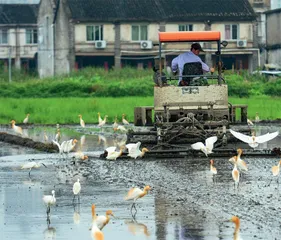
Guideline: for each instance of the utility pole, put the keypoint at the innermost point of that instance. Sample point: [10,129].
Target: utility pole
[10,64]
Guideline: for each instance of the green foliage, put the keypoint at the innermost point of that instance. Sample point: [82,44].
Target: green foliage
[66,110]
[273,88]
[96,82]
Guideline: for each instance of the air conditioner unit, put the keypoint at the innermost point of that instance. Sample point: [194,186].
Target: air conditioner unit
[241,43]
[100,44]
[146,44]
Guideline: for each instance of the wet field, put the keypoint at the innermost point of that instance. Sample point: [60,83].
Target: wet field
[184,202]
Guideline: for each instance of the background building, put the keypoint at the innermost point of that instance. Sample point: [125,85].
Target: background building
[18,34]
[89,33]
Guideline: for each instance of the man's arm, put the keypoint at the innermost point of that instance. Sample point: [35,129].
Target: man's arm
[205,67]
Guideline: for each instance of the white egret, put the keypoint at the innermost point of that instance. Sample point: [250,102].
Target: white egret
[241,164]
[46,139]
[124,121]
[136,193]
[76,190]
[115,124]
[102,221]
[103,122]
[82,123]
[249,122]
[49,201]
[208,147]
[99,118]
[96,233]
[25,121]
[58,136]
[253,140]
[121,128]
[17,129]
[257,118]
[134,150]
[112,154]
[213,170]
[31,165]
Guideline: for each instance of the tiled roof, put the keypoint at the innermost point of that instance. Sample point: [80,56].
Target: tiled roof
[161,10]
[18,13]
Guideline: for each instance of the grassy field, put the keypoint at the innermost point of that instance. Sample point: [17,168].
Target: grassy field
[66,110]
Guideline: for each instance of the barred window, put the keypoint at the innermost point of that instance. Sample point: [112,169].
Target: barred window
[231,31]
[139,33]
[3,36]
[94,33]
[31,36]
[185,27]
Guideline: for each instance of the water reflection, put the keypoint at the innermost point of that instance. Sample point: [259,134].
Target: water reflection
[49,233]
[136,227]
[76,215]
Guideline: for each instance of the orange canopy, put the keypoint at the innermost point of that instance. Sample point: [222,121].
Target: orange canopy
[191,36]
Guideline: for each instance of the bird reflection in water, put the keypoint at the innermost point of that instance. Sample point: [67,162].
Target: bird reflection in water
[135,227]
[102,140]
[49,233]
[76,214]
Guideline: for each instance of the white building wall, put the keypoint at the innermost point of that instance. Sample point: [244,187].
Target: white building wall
[275,4]
[174,27]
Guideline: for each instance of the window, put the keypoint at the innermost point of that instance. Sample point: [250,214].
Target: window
[231,31]
[3,37]
[94,33]
[187,27]
[139,32]
[31,36]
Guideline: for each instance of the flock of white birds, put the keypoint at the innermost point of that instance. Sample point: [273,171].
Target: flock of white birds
[134,151]
[98,221]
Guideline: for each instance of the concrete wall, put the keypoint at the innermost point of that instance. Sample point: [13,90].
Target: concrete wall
[64,43]
[273,42]
[45,40]
[56,54]
[273,28]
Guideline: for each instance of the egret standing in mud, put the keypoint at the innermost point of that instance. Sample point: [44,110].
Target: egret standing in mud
[76,190]
[58,136]
[96,233]
[241,164]
[208,147]
[236,234]
[120,128]
[124,121]
[134,150]
[112,154]
[115,124]
[235,175]
[213,170]
[49,201]
[276,172]
[103,122]
[17,129]
[102,221]
[136,193]
[46,139]
[31,165]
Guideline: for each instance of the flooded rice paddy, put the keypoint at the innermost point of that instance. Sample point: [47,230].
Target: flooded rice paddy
[184,202]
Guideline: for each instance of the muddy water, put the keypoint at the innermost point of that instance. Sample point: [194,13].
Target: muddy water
[184,202]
